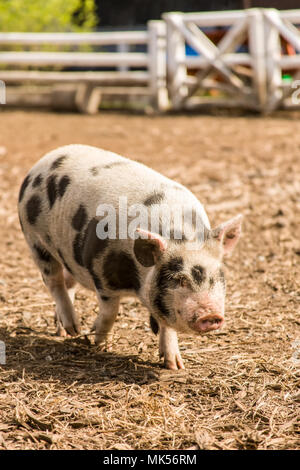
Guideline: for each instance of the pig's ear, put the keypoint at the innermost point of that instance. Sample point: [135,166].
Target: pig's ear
[228,233]
[149,248]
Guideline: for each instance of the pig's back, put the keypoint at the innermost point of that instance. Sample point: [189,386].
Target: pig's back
[65,188]
[82,174]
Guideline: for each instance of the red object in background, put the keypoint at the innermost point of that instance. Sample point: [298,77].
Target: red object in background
[290,49]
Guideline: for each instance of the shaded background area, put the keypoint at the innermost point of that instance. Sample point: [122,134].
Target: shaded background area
[138,12]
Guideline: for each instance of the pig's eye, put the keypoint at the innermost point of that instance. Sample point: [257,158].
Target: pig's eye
[198,273]
[184,282]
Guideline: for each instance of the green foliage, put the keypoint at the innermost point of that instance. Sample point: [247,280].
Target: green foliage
[47,15]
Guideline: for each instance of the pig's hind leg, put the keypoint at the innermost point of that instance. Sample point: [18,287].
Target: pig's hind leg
[70,284]
[108,311]
[60,284]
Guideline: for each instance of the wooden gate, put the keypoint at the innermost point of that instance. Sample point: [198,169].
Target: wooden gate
[243,68]
[282,45]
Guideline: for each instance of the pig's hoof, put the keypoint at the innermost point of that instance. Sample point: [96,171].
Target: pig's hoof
[101,340]
[73,329]
[60,331]
[174,363]
[103,346]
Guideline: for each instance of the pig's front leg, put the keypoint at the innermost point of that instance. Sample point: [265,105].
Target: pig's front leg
[108,310]
[169,349]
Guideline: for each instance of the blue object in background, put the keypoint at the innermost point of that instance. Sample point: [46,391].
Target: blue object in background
[189,50]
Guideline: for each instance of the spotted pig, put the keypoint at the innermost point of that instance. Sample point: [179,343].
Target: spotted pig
[175,269]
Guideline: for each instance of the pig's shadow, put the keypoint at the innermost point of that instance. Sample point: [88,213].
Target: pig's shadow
[43,357]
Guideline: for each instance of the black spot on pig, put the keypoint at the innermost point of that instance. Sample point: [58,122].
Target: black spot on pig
[211,282]
[108,166]
[92,245]
[222,277]
[120,271]
[77,249]
[87,247]
[33,209]
[79,219]
[104,298]
[175,265]
[42,253]
[167,276]
[24,185]
[46,271]
[37,181]
[198,273]
[94,170]
[154,325]
[161,306]
[167,279]
[58,162]
[52,190]
[63,184]
[155,198]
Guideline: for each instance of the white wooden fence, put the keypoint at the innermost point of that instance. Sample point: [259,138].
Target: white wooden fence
[281,25]
[252,79]
[149,68]
[245,68]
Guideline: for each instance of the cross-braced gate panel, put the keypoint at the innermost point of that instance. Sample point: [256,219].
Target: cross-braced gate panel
[233,66]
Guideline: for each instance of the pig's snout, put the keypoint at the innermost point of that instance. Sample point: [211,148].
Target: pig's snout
[205,313]
[209,322]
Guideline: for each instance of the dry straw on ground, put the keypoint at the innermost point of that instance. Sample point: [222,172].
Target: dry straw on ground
[240,389]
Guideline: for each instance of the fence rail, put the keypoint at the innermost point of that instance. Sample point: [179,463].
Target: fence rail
[101,38]
[146,70]
[100,78]
[245,67]
[74,59]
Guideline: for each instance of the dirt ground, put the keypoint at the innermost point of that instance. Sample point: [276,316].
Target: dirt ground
[240,389]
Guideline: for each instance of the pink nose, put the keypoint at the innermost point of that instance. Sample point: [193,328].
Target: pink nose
[209,322]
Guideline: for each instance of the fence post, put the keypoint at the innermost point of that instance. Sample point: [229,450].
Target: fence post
[273,55]
[257,52]
[176,67]
[123,48]
[157,64]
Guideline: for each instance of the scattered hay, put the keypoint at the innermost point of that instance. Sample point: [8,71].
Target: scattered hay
[241,386]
